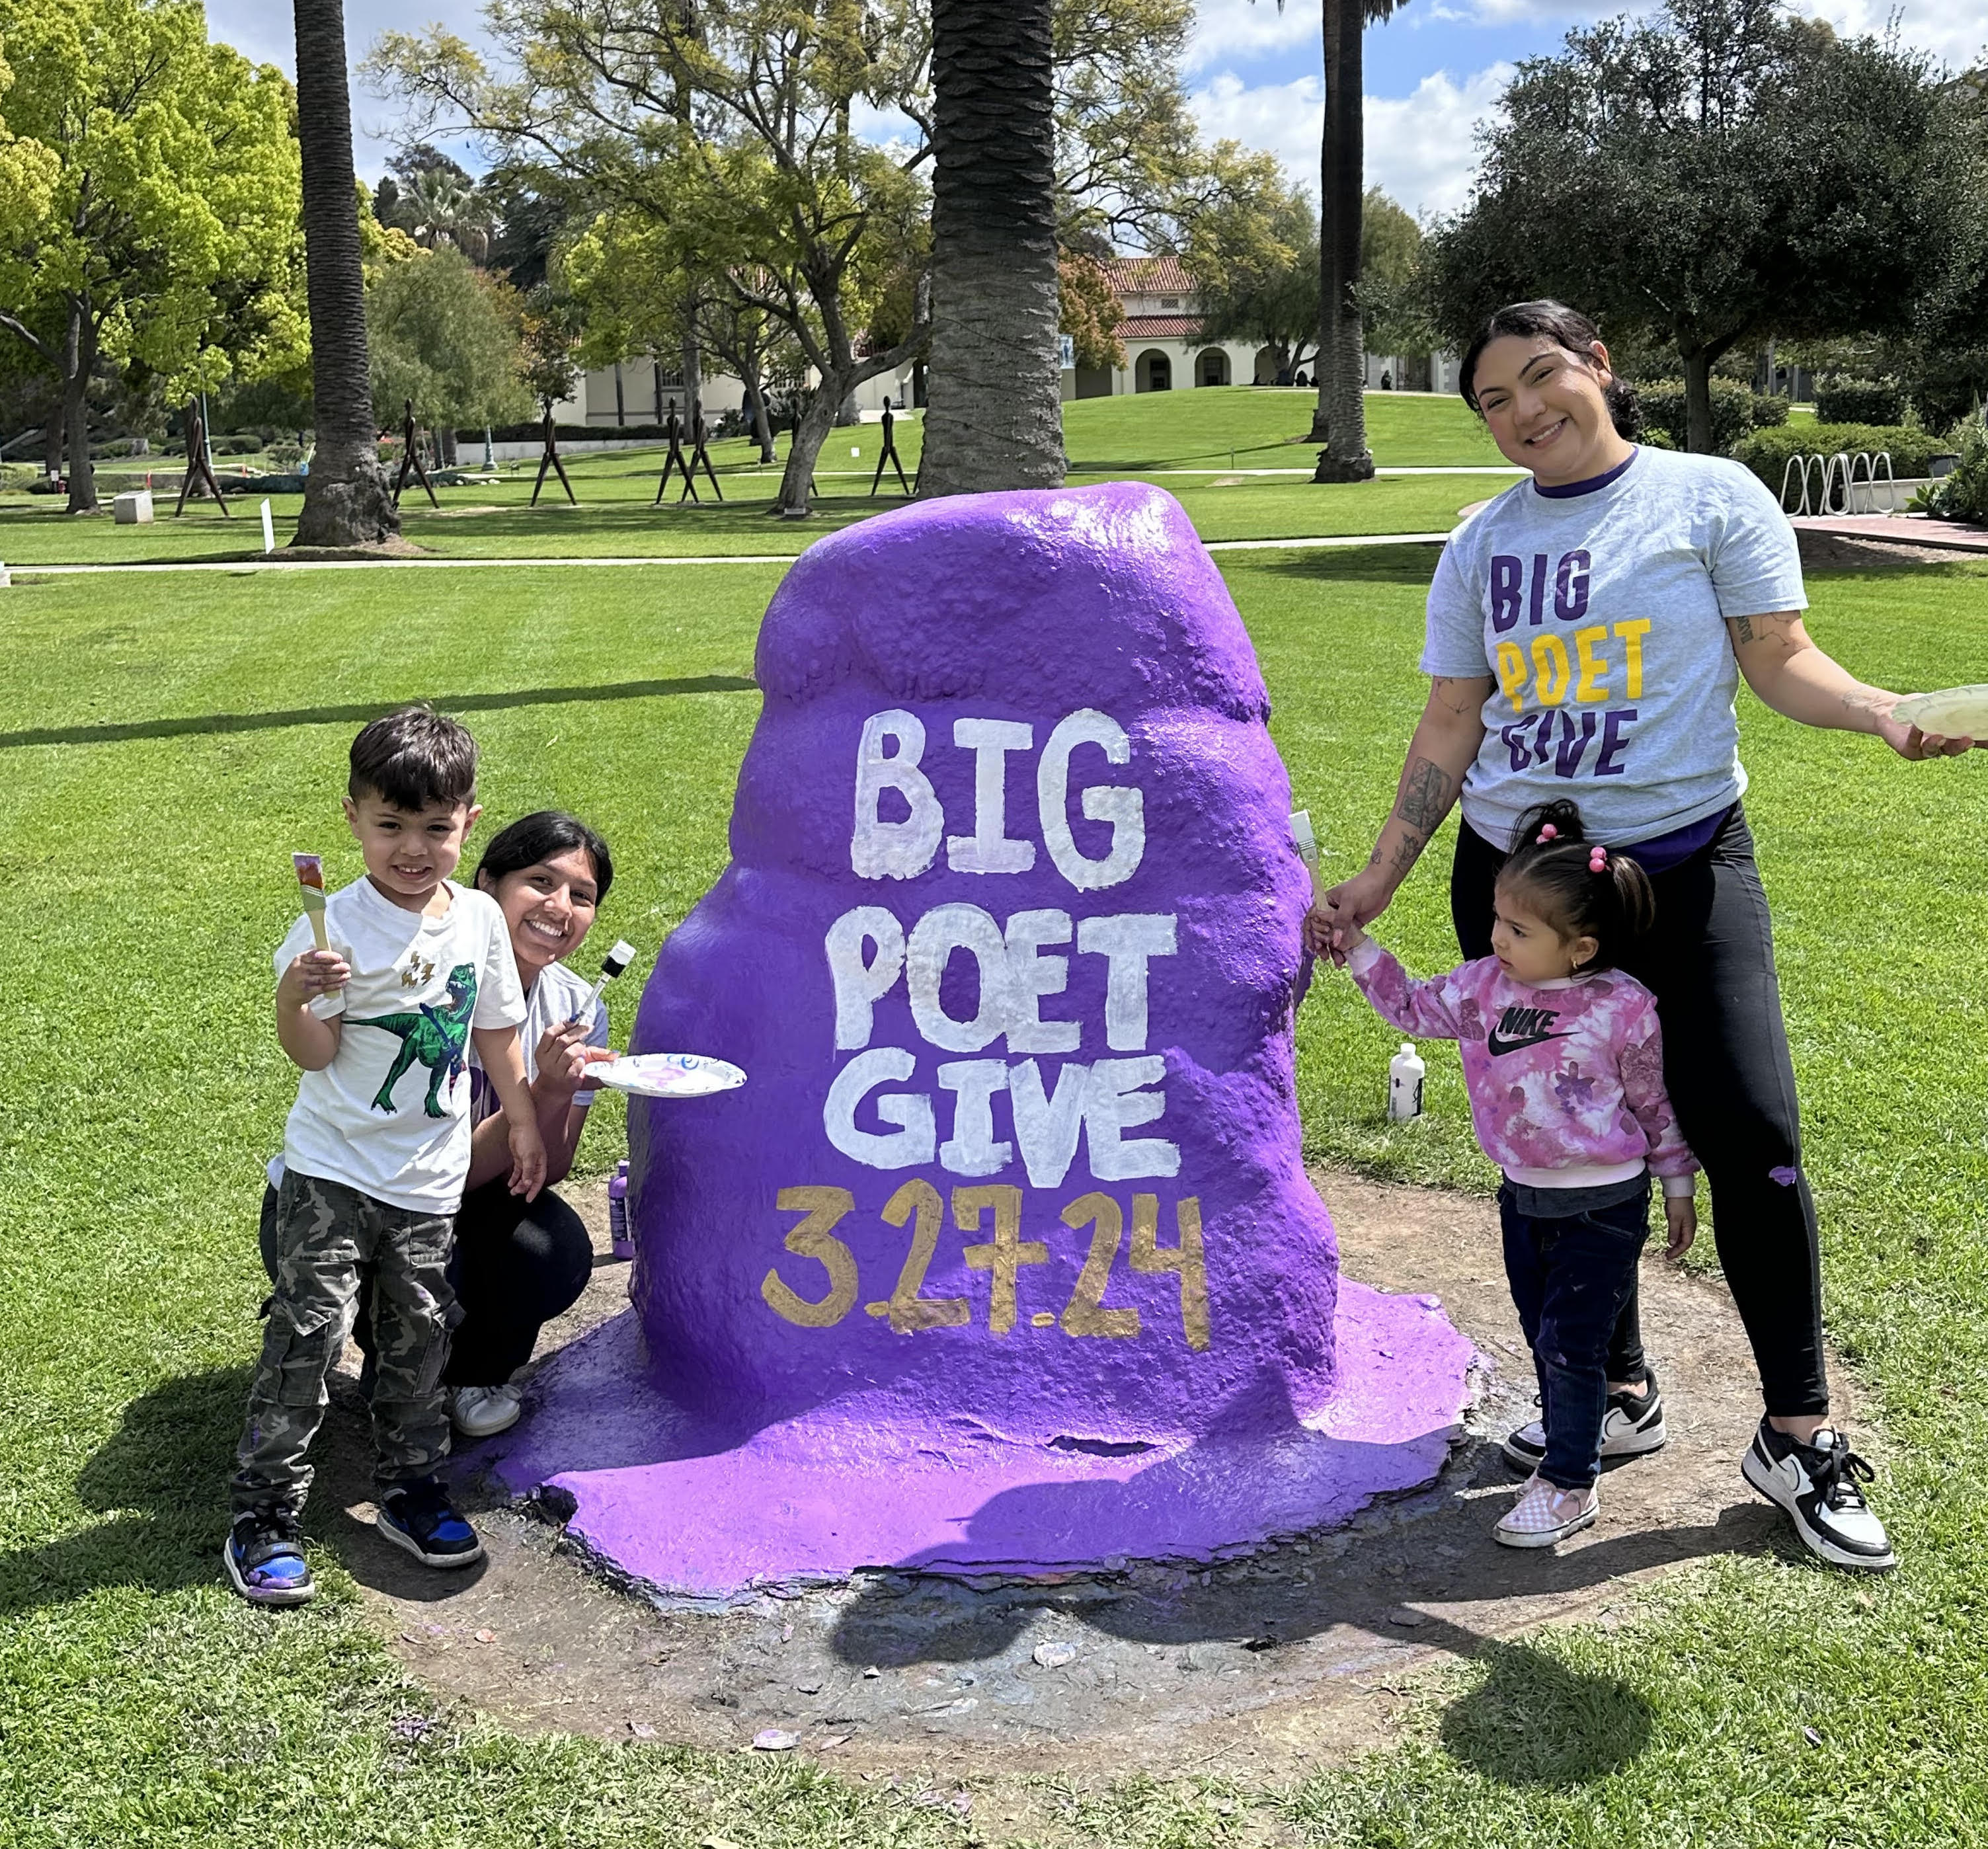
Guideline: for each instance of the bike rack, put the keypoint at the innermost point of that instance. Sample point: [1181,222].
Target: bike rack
[1837,479]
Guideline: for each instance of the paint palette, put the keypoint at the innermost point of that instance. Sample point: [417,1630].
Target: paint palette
[1953,712]
[667,1075]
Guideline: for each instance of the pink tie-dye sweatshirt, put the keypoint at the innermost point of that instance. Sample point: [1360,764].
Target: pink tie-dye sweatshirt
[1566,1079]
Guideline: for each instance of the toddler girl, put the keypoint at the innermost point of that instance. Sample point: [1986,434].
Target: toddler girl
[1564,1064]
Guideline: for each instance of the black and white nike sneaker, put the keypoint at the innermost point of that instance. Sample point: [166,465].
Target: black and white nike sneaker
[1632,1426]
[1816,1483]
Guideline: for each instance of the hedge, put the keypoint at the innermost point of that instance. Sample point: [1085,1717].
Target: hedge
[1736,410]
[567,433]
[1841,400]
[1766,452]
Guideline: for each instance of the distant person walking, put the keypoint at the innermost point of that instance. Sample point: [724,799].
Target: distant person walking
[1586,633]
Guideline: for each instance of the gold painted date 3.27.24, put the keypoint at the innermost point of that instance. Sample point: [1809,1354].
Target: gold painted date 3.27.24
[992,1216]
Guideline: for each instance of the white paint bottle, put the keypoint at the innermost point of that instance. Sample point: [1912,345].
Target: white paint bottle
[1405,1073]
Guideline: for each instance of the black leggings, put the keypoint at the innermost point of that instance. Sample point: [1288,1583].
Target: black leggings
[1710,963]
[515,1266]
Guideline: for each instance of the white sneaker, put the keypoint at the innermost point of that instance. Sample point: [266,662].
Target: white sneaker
[1816,1483]
[1545,1513]
[481,1412]
[1632,1427]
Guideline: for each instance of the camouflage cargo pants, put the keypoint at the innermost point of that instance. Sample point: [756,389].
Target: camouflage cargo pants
[326,1234]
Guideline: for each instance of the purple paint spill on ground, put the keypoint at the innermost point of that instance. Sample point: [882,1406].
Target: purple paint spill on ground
[1005,1253]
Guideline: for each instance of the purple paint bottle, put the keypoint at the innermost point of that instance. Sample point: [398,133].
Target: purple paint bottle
[617,1213]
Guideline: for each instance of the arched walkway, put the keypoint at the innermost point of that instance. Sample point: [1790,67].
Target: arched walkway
[1265,368]
[1152,371]
[1211,367]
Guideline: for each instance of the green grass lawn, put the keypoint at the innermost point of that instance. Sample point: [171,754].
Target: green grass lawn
[142,848]
[1106,437]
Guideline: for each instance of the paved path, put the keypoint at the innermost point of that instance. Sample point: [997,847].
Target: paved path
[275,562]
[1900,529]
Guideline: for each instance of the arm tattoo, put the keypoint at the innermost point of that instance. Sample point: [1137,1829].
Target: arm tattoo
[1427,792]
[1408,851]
[1744,626]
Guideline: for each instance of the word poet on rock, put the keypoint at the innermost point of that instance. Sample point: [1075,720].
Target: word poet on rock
[1022,961]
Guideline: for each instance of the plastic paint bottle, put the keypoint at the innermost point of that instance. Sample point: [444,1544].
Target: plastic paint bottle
[1405,1072]
[618,1213]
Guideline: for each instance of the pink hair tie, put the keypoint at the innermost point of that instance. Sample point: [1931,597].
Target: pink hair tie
[1598,861]
[1547,834]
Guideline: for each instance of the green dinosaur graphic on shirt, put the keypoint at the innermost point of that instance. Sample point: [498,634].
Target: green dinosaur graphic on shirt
[438,1038]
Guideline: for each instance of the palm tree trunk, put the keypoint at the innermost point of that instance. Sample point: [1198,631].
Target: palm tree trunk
[994,417]
[346,499]
[79,359]
[1342,368]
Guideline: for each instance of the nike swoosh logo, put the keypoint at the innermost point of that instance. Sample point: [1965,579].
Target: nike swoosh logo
[1498,1045]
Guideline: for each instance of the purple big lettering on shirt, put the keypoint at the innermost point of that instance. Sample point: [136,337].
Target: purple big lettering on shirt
[1005,1253]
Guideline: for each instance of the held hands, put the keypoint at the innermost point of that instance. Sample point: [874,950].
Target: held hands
[1681,1219]
[316,973]
[1333,927]
[528,1158]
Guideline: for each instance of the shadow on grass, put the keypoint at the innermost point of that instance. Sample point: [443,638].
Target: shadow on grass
[360,712]
[1535,1721]
[1411,566]
[164,1474]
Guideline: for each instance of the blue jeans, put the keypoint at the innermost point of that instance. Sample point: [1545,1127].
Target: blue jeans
[1570,1279]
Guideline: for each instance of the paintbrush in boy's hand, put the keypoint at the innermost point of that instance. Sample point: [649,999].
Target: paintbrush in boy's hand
[310,878]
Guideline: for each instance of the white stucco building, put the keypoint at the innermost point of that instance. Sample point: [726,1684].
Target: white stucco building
[1164,351]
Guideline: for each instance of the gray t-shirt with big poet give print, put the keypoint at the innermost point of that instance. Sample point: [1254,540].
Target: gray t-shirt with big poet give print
[1601,614]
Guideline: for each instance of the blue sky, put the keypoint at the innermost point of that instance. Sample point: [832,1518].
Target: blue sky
[1433,71]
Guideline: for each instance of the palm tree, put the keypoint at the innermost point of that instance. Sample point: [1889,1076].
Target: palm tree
[1340,422]
[346,500]
[444,210]
[994,418]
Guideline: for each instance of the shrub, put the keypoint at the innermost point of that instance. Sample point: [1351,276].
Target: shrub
[1736,410]
[1766,452]
[240,442]
[572,433]
[1657,439]
[1962,495]
[1841,400]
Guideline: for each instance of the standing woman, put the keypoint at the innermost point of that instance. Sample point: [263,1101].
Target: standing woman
[1586,633]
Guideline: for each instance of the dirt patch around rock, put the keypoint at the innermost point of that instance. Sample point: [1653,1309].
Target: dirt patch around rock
[1256,1668]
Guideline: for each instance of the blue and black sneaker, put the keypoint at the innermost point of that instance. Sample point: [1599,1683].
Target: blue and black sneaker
[264,1554]
[416,1516]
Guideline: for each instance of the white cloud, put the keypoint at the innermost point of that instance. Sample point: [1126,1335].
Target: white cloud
[1240,32]
[1421,148]
[1954,30]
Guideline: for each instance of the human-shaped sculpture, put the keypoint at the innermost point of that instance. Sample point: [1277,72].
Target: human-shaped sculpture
[550,459]
[1005,1257]
[199,468]
[410,458]
[700,434]
[674,461]
[890,455]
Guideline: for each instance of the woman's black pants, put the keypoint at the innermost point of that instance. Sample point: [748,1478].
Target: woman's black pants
[517,1265]
[1710,963]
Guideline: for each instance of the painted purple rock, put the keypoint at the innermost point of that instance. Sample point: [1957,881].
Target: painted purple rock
[1008,948]
[1005,1252]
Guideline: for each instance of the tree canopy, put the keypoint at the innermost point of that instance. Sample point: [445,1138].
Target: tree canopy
[443,335]
[1718,171]
[149,203]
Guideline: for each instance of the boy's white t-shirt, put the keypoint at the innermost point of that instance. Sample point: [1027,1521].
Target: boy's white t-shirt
[420,986]
[557,997]
[1599,611]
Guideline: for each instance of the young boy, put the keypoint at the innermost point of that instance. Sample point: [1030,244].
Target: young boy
[377,1149]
